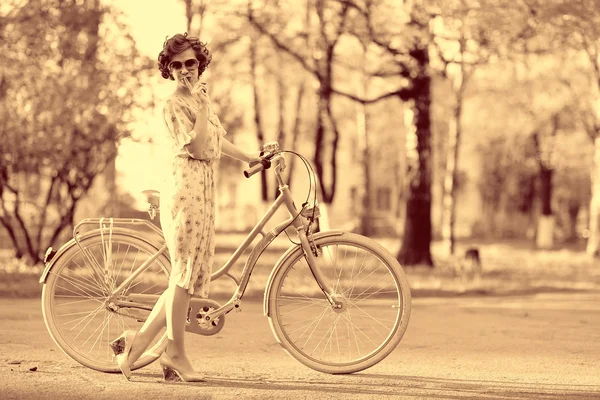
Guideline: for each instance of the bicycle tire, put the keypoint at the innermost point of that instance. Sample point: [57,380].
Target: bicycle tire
[72,284]
[293,284]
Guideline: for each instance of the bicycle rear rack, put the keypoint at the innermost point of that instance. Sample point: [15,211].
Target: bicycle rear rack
[106,225]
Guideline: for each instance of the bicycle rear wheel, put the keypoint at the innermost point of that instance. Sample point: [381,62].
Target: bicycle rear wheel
[371,313]
[81,313]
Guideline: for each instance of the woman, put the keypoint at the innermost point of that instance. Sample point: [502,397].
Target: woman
[187,206]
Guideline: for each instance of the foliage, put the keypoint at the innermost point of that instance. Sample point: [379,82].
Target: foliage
[71,81]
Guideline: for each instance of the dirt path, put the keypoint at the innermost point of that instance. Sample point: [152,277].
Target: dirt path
[541,347]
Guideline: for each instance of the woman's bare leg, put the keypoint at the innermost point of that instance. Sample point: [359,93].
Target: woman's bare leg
[154,324]
[176,307]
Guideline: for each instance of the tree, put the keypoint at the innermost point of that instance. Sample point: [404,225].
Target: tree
[462,46]
[544,98]
[408,50]
[574,24]
[468,35]
[258,122]
[410,64]
[318,60]
[243,57]
[541,121]
[200,17]
[66,99]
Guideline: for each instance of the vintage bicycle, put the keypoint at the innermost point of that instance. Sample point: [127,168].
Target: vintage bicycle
[338,302]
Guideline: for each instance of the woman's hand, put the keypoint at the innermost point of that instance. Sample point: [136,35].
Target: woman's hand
[201,123]
[201,92]
[253,158]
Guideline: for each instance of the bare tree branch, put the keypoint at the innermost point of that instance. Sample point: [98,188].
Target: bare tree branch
[42,221]
[21,224]
[279,44]
[404,94]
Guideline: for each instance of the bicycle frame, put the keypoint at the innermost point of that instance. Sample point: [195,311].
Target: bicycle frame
[141,301]
[284,198]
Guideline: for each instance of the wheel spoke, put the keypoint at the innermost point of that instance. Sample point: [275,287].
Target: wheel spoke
[311,302]
[377,320]
[93,277]
[82,314]
[79,320]
[82,286]
[313,324]
[360,328]
[97,299]
[357,329]
[329,333]
[374,284]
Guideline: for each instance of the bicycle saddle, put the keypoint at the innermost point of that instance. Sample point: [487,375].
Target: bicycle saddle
[152,196]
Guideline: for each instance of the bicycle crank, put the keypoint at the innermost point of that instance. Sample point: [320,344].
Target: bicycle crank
[196,323]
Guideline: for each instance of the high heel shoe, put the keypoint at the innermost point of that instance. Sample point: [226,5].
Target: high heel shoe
[171,373]
[121,346]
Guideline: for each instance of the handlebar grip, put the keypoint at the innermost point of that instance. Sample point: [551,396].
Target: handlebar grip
[257,167]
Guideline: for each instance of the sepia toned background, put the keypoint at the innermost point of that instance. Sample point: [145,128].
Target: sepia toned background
[462,135]
[434,126]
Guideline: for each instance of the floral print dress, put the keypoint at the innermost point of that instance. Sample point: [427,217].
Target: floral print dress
[187,199]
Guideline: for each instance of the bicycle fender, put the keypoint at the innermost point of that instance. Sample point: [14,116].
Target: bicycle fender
[94,232]
[289,253]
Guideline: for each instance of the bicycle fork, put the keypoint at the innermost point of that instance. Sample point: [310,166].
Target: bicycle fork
[311,255]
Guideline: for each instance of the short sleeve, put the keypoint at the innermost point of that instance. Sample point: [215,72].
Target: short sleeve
[180,122]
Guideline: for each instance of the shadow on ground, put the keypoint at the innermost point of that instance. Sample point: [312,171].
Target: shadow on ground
[400,386]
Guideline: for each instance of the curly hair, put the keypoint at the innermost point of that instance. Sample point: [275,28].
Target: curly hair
[176,45]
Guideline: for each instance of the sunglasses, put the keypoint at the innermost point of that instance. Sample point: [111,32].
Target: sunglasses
[190,64]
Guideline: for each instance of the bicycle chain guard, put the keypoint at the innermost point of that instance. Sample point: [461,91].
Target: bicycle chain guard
[196,323]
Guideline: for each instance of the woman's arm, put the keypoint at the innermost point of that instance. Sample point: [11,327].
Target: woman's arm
[201,132]
[201,125]
[229,149]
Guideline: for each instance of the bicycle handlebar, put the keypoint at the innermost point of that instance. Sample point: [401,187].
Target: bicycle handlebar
[257,166]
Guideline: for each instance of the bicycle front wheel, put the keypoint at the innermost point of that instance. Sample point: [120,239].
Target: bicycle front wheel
[82,312]
[371,309]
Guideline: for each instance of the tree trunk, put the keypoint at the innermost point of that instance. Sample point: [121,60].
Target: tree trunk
[545,231]
[593,244]
[320,147]
[416,242]
[334,148]
[366,218]
[324,117]
[281,94]
[362,122]
[296,129]
[6,222]
[573,211]
[301,91]
[451,174]
[257,117]
[546,189]
[189,14]
[326,123]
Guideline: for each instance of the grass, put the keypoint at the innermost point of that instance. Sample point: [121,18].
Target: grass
[507,268]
